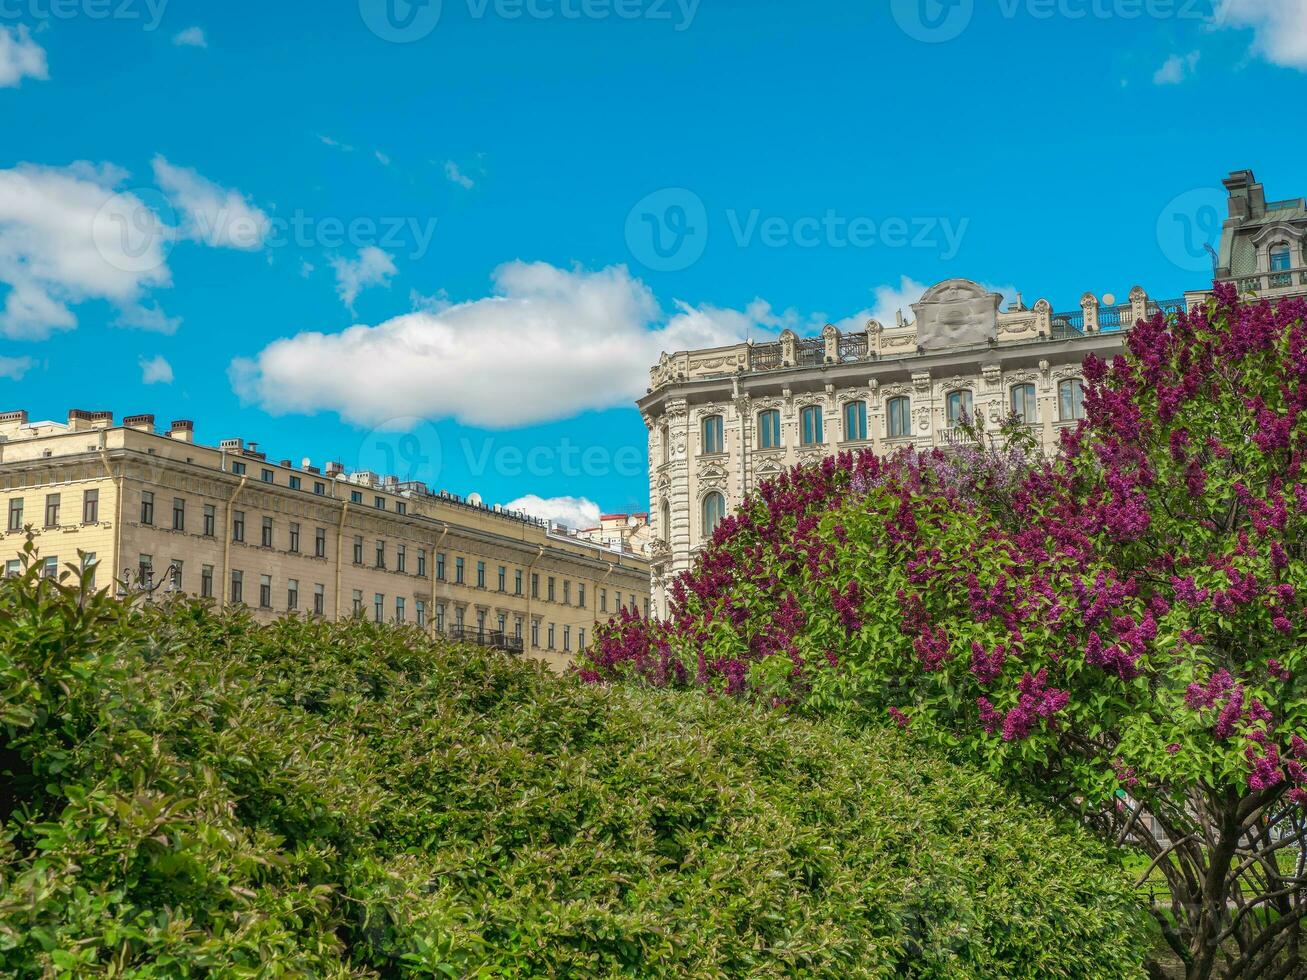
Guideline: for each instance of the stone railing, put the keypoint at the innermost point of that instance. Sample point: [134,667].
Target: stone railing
[878,342]
[1274,283]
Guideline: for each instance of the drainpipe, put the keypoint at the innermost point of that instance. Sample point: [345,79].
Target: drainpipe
[226,542]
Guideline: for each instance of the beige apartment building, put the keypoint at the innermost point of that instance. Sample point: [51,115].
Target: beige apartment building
[156,508]
[1263,243]
[722,421]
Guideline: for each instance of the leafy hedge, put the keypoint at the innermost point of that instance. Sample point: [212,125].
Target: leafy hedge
[189,793]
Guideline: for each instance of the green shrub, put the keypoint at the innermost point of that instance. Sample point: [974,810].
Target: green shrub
[192,794]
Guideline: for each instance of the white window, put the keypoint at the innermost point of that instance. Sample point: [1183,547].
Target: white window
[812,430]
[714,438]
[1023,403]
[714,512]
[1071,400]
[959,407]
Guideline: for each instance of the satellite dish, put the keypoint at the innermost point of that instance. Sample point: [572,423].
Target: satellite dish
[1109,300]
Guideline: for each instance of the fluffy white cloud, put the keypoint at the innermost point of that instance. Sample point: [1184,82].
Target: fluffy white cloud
[573,512]
[20,57]
[1279,28]
[1177,68]
[457,176]
[548,343]
[67,235]
[216,216]
[14,368]
[373,267]
[192,37]
[156,370]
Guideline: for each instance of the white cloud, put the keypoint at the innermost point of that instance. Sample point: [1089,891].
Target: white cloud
[14,368]
[1177,68]
[192,37]
[148,317]
[68,236]
[328,141]
[20,57]
[1279,28]
[457,176]
[216,216]
[155,371]
[382,158]
[306,268]
[437,302]
[373,267]
[573,512]
[547,344]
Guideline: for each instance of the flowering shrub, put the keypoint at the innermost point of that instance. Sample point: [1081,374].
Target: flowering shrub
[1119,631]
[187,793]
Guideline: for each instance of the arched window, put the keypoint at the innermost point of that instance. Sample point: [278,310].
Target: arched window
[1281,258]
[665,437]
[665,522]
[855,421]
[769,429]
[958,407]
[1023,403]
[714,512]
[813,432]
[714,436]
[1071,400]
[900,417]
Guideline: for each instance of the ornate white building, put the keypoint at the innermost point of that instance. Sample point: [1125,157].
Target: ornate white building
[723,420]
[1263,243]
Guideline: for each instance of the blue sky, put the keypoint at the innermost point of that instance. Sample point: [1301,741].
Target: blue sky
[357,230]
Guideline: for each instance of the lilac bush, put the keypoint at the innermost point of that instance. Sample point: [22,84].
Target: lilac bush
[1118,630]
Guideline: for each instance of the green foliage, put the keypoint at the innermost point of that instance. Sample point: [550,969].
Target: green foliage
[195,794]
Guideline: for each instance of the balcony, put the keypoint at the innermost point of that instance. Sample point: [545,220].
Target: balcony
[1287,280]
[491,639]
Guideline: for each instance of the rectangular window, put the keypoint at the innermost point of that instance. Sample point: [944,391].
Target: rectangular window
[91,507]
[320,489]
[958,408]
[551,636]
[535,586]
[567,639]
[401,507]
[210,520]
[617,601]
[552,589]
[319,600]
[294,539]
[265,591]
[580,638]
[769,429]
[265,534]
[292,595]
[458,571]
[535,634]
[16,514]
[503,579]
[812,430]
[176,567]
[422,563]
[358,602]
[900,418]
[459,613]
[481,575]
[399,609]
[89,564]
[440,618]
[502,622]
[580,594]
[420,611]
[267,476]
[517,582]
[379,503]
[381,553]
[238,526]
[206,581]
[358,549]
[52,509]
[855,421]
[356,496]
[440,566]
[145,569]
[517,627]
[237,586]
[567,593]
[401,558]
[237,469]
[295,483]
[603,600]
[147,507]
[178,513]
[714,438]
[13,567]
[320,543]
[379,608]
[50,567]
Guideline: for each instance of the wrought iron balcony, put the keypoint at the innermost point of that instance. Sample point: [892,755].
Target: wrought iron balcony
[492,639]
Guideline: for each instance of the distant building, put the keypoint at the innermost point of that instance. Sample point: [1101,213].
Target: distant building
[225,523]
[722,421]
[1263,243]
[621,532]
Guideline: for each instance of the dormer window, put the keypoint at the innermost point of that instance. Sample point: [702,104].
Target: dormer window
[1281,258]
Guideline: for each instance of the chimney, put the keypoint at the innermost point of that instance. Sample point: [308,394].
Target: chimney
[183,430]
[335,469]
[1247,197]
[141,423]
[80,421]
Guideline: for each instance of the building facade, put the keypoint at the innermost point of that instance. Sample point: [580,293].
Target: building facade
[1263,243]
[622,532]
[722,421]
[225,523]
